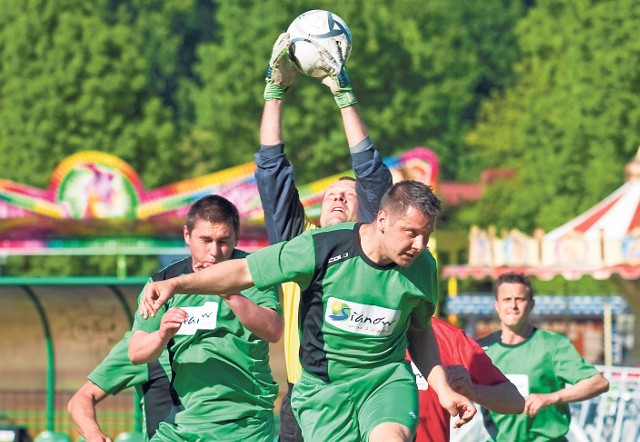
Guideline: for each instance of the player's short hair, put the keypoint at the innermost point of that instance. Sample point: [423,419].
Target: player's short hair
[215,209]
[346,178]
[513,278]
[406,194]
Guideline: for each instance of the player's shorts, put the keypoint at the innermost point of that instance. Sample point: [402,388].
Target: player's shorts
[259,429]
[349,410]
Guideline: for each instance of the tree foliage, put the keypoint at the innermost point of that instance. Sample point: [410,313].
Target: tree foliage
[570,122]
[419,73]
[81,75]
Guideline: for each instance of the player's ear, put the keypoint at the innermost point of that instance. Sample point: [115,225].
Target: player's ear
[186,235]
[382,220]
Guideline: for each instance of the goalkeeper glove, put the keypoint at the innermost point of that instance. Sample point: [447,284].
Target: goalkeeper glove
[280,71]
[336,79]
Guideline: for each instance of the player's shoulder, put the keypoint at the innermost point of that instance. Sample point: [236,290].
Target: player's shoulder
[489,340]
[428,258]
[331,236]
[346,226]
[174,269]
[550,337]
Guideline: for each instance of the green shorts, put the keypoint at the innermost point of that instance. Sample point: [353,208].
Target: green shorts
[349,410]
[259,429]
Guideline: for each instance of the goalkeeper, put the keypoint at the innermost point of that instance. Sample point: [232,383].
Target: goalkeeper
[344,200]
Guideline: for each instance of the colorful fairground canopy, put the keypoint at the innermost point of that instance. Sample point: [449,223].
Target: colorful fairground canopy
[603,241]
[96,205]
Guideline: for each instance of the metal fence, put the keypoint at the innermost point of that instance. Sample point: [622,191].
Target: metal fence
[28,409]
[610,417]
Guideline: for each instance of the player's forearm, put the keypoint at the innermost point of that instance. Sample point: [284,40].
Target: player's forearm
[425,353]
[226,277]
[271,126]
[146,347]
[263,322]
[284,216]
[584,389]
[502,398]
[82,409]
[354,127]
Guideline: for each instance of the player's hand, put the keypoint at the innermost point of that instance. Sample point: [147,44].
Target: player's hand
[333,63]
[534,402]
[459,380]
[457,405]
[280,70]
[171,322]
[155,295]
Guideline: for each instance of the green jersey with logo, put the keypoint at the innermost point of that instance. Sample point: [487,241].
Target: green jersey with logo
[220,369]
[543,363]
[354,313]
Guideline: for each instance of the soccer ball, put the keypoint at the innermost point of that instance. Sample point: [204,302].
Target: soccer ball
[316,28]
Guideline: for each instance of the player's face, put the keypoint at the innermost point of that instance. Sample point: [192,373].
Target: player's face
[339,204]
[405,236]
[210,243]
[513,305]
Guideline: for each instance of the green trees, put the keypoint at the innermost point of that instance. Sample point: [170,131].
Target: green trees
[419,70]
[175,89]
[570,122]
[81,75]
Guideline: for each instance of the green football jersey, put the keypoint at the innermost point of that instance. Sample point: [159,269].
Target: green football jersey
[543,363]
[354,313]
[221,370]
[151,381]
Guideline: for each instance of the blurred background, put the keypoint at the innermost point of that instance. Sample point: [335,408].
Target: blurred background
[115,115]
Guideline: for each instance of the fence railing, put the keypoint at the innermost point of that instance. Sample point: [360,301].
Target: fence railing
[28,409]
[610,417]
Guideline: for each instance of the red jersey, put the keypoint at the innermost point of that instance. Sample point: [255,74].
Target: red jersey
[456,348]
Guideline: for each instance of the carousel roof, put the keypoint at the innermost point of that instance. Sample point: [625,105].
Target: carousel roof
[96,204]
[614,217]
[601,242]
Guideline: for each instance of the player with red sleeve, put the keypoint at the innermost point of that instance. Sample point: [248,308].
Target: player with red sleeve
[470,372]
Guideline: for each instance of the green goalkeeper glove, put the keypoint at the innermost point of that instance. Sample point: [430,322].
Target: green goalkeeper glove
[280,71]
[336,79]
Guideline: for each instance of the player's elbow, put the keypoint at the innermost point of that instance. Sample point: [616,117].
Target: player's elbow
[71,405]
[516,405]
[601,384]
[135,357]
[274,333]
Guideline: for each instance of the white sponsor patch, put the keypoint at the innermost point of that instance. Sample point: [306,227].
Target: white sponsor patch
[421,382]
[521,381]
[203,317]
[361,318]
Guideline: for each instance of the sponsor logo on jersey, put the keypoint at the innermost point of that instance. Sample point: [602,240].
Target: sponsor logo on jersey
[203,317]
[338,257]
[359,318]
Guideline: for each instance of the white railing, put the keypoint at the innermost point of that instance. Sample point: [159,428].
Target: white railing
[610,417]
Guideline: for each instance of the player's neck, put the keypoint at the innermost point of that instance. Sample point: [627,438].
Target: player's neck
[513,336]
[371,244]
